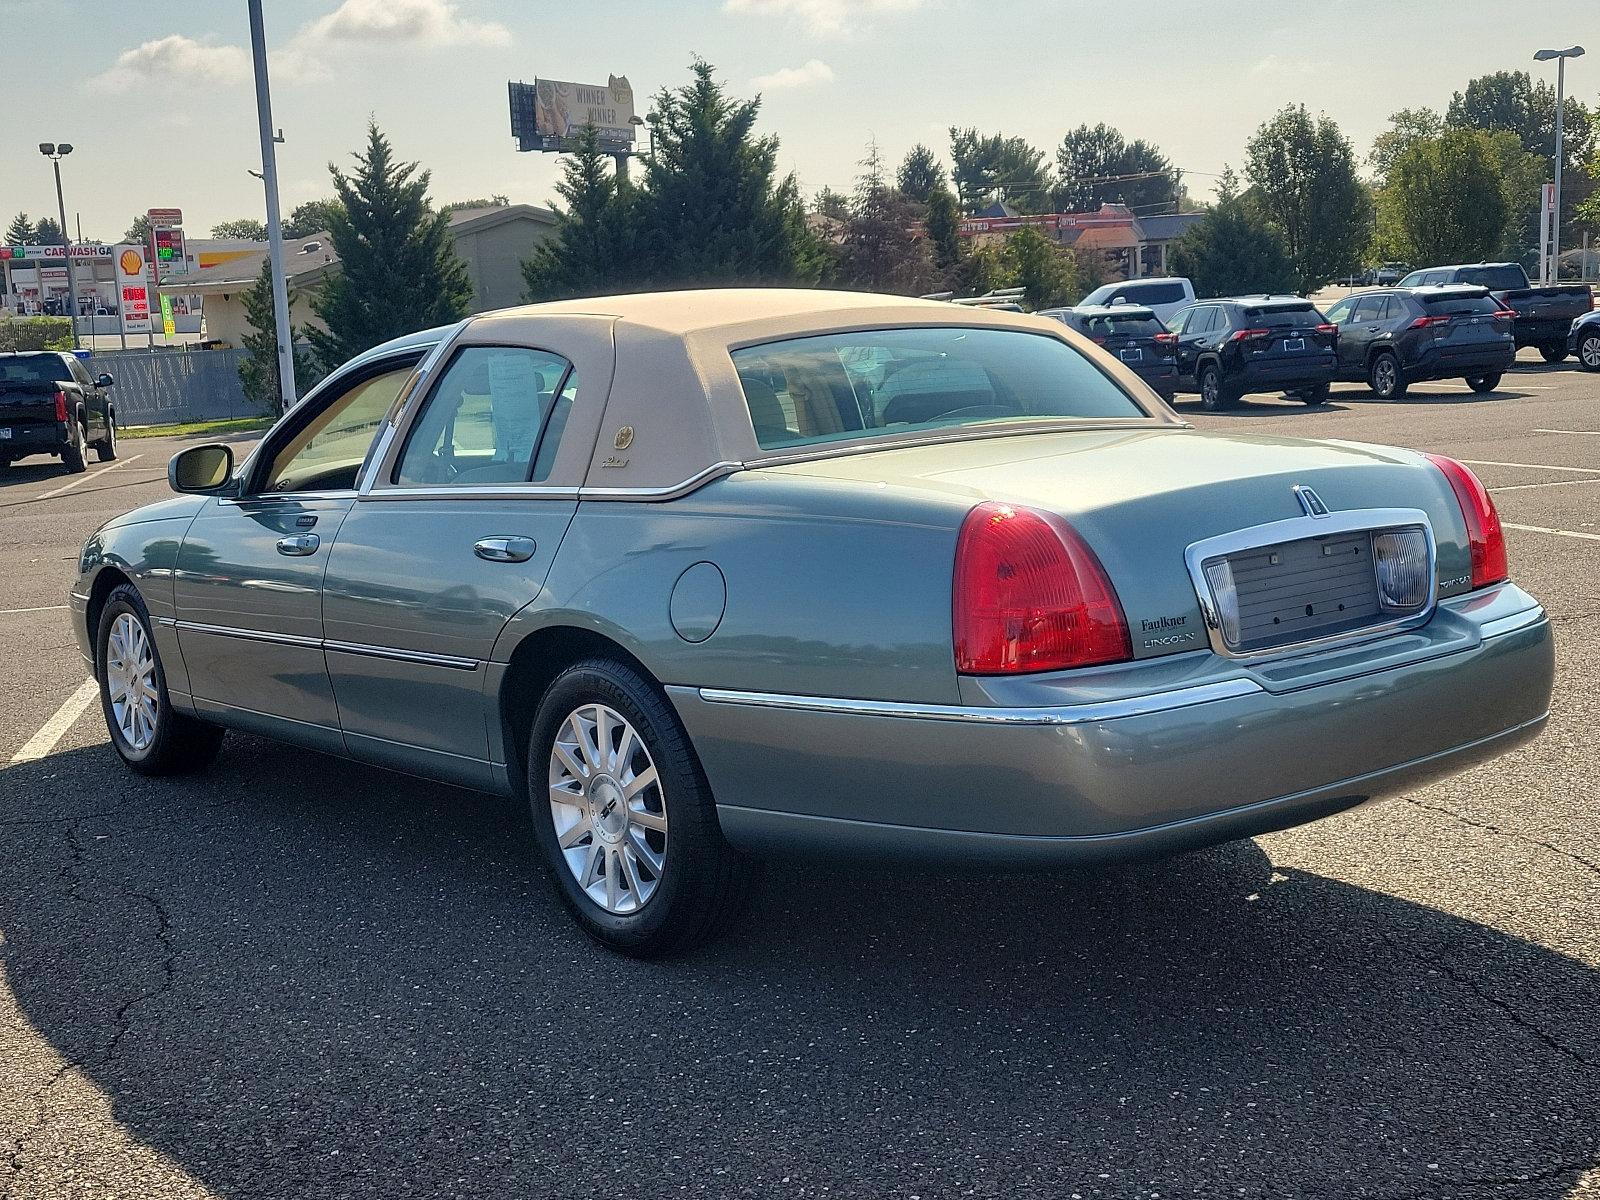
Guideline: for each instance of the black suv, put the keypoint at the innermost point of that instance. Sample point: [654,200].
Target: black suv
[1132,334]
[1242,344]
[1396,337]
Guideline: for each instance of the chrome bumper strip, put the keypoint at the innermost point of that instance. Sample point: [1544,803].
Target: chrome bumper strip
[416,656]
[449,661]
[1073,714]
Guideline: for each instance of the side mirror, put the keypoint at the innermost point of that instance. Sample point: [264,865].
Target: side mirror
[205,470]
[105,381]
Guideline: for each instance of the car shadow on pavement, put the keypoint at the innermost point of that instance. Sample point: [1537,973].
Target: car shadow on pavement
[300,976]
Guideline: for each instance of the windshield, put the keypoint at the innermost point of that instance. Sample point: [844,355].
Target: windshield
[1499,279]
[39,368]
[849,386]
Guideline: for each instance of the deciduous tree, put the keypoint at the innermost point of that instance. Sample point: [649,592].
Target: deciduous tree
[245,229]
[1047,272]
[1445,201]
[312,217]
[1304,176]
[398,268]
[48,233]
[1233,250]
[1407,126]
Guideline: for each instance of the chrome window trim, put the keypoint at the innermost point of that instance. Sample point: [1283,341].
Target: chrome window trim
[286,497]
[486,491]
[716,470]
[1298,529]
[450,661]
[1073,714]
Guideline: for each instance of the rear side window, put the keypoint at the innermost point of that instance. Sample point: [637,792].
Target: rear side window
[799,392]
[1370,308]
[484,422]
[1498,279]
[1447,306]
[41,368]
[1283,318]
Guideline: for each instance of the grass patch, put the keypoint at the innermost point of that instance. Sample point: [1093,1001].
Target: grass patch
[197,428]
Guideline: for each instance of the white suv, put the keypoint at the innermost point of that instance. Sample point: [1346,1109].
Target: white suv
[1165,296]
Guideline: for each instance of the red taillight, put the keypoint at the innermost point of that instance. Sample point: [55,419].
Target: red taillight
[1167,339]
[1239,335]
[61,407]
[1099,339]
[1426,322]
[1031,596]
[1484,535]
[1505,314]
[1328,329]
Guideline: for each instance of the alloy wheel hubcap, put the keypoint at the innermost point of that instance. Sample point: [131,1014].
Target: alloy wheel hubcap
[131,682]
[1208,390]
[608,810]
[1385,374]
[1591,352]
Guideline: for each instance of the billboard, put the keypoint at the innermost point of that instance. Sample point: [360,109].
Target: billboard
[159,217]
[133,290]
[545,113]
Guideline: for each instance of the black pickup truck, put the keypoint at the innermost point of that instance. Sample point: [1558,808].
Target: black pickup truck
[1544,314]
[49,404]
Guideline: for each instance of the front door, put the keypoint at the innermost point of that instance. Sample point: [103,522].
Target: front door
[451,539]
[248,587]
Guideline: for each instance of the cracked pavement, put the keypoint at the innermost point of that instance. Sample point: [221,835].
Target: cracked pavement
[300,977]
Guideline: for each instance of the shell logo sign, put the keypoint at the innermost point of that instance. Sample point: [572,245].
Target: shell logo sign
[130,262]
[133,290]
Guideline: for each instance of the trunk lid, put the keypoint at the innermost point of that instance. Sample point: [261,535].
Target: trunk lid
[1141,498]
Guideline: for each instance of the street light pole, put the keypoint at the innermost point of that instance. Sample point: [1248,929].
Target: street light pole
[269,179]
[55,153]
[1553,262]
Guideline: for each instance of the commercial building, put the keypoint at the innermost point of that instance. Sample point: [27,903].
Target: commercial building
[1124,245]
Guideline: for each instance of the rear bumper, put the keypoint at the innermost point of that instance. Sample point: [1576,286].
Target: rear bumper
[1311,371]
[1542,331]
[1163,378]
[37,437]
[1226,750]
[1437,365]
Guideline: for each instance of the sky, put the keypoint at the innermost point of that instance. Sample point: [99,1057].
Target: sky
[158,99]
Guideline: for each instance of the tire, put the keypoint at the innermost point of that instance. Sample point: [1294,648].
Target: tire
[647,875]
[1312,395]
[1214,396]
[1589,351]
[1484,383]
[149,734]
[1553,352]
[106,448]
[72,454]
[1385,378]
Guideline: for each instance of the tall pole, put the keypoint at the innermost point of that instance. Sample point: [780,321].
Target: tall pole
[269,179]
[72,274]
[1561,152]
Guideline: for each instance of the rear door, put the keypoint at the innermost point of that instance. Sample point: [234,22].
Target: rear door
[1282,334]
[1465,326]
[454,532]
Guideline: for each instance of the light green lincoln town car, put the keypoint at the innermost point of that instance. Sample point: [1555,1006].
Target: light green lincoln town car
[704,575]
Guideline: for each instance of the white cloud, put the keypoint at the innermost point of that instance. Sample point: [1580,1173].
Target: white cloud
[813,72]
[1279,66]
[824,18]
[174,59]
[403,22]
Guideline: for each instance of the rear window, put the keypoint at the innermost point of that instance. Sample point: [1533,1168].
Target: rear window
[1152,293]
[43,368]
[1444,306]
[1296,317]
[1137,325]
[1498,279]
[841,387]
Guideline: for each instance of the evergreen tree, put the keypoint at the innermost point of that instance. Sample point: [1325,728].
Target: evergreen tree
[258,373]
[993,167]
[139,232]
[591,250]
[713,209]
[944,234]
[831,204]
[48,233]
[1304,177]
[398,268]
[21,231]
[920,174]
[883,250]
[1233,250]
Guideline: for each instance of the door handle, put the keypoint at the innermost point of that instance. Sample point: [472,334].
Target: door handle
[299,544]
[505,549]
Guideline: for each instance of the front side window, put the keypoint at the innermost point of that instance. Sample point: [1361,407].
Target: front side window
[803,391]
[1369,308]
[327,453]
[484,422]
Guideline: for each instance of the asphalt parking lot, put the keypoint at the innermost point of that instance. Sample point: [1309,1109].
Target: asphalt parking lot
[296,976]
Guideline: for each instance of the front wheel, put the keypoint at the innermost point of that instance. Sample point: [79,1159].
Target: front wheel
[1553,352]
[1589,351]
[1484,383]
[1385,378]
[147,732]
[106,448]
[624,816]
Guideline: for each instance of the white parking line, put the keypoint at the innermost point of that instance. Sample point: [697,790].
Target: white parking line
[1484,462]
[81,479]
[56,727]
[6,612]
[1571,533]
[1585,432]
[1522,487]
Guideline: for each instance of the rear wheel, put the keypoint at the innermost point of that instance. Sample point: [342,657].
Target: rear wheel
[1317,394]
[1385,378]
[147,732]
[72,454]
[625,818]
[1553,352]
[1484,383]
[1213,396]
[1589,351]
[106,448]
